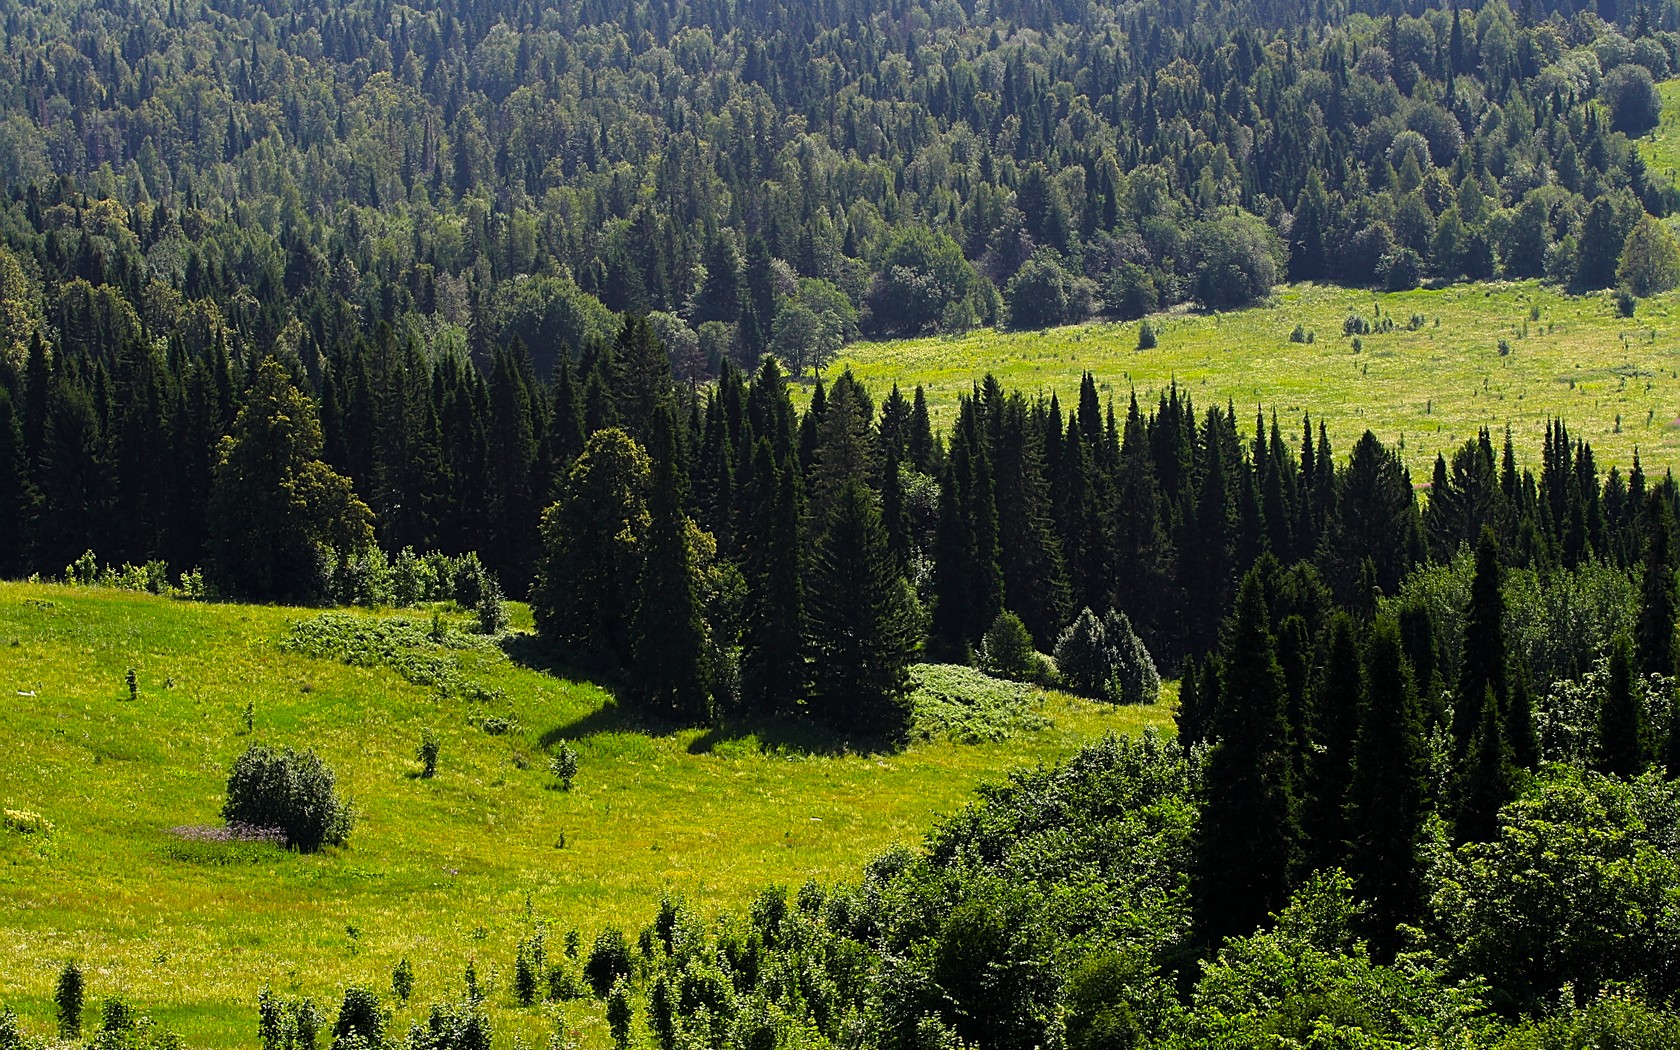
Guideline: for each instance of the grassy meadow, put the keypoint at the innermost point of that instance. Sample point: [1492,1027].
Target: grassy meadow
[440,871]
[1614,380]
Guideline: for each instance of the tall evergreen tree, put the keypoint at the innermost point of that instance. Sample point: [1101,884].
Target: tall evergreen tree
[1338,694]
[1622,743]
[1482,662]
[1654,635]
[1387,798]
[15,490]
[860,628]
[668,644]
[1487,779]
[1248,838]
[772,633]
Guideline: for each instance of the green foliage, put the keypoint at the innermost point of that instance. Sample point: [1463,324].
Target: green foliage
[619,1013]
[1007,649]
[961,704]
[1104,658]
[452,1026]
[1650,259]
[424,653]
[68,996]
[1146,338]
[295,793]
[361,1020]
[564,765]
[402,980]
[277,510]
[427,756]
[1613,1019]
[1579,883]
[609,960]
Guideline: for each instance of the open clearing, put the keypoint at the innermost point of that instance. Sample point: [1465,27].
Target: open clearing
[440,871]
[1614,380]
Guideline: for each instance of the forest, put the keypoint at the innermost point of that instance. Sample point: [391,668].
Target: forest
[385,303]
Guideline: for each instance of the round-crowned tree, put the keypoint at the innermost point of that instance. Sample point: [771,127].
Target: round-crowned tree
[295,793]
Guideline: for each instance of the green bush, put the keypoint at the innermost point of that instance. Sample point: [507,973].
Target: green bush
[295,793]
[1007,649]
[427,754]
[608,960]
[69,996]
[1147,339]
[1105,659]
[361,1020]
[564,765]
[402,980]
[618,1013]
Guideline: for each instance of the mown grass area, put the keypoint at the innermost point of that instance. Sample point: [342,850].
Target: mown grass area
[440,871]
[1614,380]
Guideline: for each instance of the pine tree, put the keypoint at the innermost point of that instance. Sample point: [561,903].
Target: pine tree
[1621,720]
[860,629]
[1248,838]
[1386,798]
[15,491]
[668,635]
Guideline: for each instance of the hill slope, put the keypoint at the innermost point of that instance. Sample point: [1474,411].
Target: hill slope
[440,870]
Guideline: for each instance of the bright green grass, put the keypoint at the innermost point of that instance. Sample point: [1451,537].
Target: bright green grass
[1661,148]
[438,871]
[1431,388]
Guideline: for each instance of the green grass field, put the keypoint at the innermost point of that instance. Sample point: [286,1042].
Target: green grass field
[1430,388]
[440,871]
[1661,148]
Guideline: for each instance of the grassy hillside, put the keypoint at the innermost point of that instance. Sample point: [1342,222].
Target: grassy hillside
[1431,387]
[1661,148]
[436,870]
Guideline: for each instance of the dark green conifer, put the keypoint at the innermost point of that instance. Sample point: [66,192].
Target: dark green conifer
[1481,664]
[1248,838]
[1654,636]
[1621,720]
[668,635]
[1488,778]
[772,657]
[1337,696]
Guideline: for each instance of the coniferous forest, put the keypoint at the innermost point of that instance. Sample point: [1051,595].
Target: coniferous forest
[306,302]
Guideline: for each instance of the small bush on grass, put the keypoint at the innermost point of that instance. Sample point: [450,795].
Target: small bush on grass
[361,1020]
[427,754]
[296,793]
[68,996]
[1007,649]
[564,765]
[609,960]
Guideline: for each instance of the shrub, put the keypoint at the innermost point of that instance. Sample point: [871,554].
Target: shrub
[564,765]
[68,996]
[427,754]
[1147,339]
[1007,649]
[25,822]
[491,608]
[618,1013]
[402,980]
[608,960]
[527,964]
[294,793]
[564,984]
[1299,335]
[1105,659]
[359,1019]
[459,1026]
[1625,302]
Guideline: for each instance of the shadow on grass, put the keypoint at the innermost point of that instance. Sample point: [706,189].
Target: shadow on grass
[545,657]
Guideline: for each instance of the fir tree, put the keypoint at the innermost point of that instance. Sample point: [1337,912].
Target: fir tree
[1248,838]
[1386,798]
[1621,719]
[1654,636]
[668,635]
[1482,661]
[1488,778]
[772,660]
[1337,698]
[861,632]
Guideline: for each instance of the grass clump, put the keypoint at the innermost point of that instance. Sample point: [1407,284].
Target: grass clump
[968,707]
[422,652]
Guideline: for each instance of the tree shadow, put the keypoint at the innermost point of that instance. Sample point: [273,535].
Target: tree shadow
[787,735]
[535,653]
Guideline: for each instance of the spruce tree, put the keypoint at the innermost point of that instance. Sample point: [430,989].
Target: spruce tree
[1337,698]
[668,635]
[1621,721]
[1482,661]
[1654,636]
[860,628]
[15,493]
[1488,778]
[1386,798]
[772,657]
[1248,838]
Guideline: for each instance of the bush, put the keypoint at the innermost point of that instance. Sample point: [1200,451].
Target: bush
[492,610]
[1147,338]
[609,960]
[361,1021]
[294,793]
[1105,659]
[402,980]
[459,1026]
[427,754]
[564,765]
[618,1013]
[69,996]
[1007,649]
